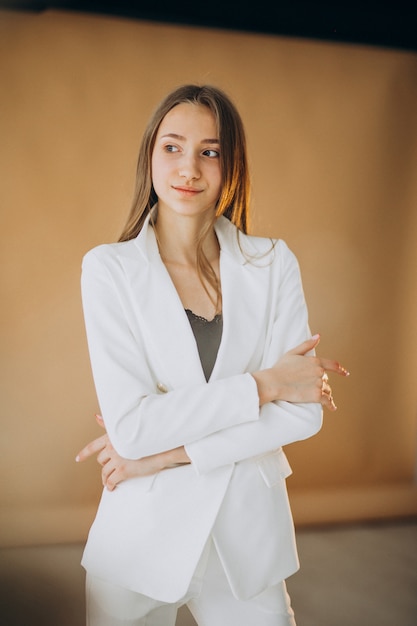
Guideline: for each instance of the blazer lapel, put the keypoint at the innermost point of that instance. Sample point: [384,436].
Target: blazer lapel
[244,297]
[163,321]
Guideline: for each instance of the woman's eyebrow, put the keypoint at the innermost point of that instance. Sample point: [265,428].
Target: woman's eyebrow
[173,136]
[182,138]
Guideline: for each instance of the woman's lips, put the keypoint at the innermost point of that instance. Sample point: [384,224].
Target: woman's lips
[190,191]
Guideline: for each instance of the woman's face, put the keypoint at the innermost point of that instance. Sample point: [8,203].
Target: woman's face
[186,171]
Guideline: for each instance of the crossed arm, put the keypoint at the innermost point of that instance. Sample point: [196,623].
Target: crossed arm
[295,377]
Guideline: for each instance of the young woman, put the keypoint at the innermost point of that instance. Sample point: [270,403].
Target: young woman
[204,368]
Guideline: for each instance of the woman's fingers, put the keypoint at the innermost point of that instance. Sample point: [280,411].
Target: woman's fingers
[108,476]
[100,420]
[326,394]
[328,402]
[105,454]
[306,346]
[92,448]
[329,365]
[117,469]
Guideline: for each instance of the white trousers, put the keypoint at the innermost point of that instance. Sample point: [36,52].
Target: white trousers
[209,599]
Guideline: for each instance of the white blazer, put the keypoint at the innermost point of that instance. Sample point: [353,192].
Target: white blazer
[149,533]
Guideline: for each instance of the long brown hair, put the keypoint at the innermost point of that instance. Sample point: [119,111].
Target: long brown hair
[233,202]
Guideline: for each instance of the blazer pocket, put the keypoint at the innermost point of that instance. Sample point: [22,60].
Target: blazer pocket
[274,467]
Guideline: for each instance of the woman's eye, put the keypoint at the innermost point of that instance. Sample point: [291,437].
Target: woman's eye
[211,153]
[171,148]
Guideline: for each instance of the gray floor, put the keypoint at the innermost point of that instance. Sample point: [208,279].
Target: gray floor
[350,576]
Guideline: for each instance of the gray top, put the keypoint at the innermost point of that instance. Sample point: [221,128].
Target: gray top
[208,334]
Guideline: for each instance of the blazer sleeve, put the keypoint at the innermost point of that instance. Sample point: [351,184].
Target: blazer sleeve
[280,422]
[139,420]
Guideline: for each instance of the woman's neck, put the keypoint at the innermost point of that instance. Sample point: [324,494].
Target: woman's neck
[178,240]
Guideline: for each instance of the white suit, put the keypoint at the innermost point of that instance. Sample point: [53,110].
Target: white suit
[149,532]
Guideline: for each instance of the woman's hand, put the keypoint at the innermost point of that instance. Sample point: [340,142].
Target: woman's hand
[116,469]
[299,378]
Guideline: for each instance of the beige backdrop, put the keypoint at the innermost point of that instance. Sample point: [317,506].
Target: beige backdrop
[332,133]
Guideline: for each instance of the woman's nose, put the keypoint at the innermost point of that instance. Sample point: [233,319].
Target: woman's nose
[189,168]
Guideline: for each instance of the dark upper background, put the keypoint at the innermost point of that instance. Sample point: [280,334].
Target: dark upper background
[386,23]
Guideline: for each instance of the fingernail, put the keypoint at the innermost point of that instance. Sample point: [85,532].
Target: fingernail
[316,336]
[77,459]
